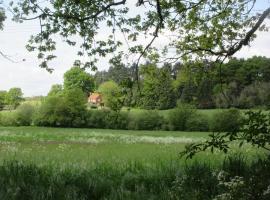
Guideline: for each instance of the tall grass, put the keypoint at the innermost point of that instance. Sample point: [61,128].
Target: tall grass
[198,181]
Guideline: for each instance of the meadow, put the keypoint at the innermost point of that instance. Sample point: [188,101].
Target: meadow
[88,146]
[75,163]
[88,163]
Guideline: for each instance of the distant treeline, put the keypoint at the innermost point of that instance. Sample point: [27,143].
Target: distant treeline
[238,83]
[242,83]
[66,106]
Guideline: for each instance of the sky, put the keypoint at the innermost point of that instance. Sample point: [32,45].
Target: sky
[35,81]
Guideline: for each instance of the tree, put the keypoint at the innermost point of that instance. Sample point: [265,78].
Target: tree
[255,95]
[80,79]
[2,99]
[101,77]
[111,95]
[2,16]
[157,89]
[167,97]
[199,27]
[56,89]
[14,97]
[118,71]
[149,93]
[189,82]
[2,19]
[204,93]
[236,82]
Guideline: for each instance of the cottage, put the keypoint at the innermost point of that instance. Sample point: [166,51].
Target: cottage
[95,98]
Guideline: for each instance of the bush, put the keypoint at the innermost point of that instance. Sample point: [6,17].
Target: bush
[23,116]
[179,117]
[92,106]
[8,119]
[226,121]
[146,120]
[116,120]
[25,113]
[197,122]
[96,119]
[107,119]
[65,110]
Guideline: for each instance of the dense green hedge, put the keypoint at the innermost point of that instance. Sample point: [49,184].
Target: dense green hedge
[183,118]
[234,179]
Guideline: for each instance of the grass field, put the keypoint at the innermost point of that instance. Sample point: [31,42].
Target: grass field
[91,146]
[80,164]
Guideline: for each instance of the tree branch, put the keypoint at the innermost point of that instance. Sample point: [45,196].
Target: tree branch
[248,36]
[155,35]
[103,9]
[9,58]
[6,57]
[237,46]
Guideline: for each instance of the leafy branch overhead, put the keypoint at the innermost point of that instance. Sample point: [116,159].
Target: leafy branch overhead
[194,28]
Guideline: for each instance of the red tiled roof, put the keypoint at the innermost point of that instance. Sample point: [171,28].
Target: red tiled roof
[94,96]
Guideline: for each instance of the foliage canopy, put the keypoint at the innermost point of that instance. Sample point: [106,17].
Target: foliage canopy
[14,97]
[77,78]
[199,27]
[111,95]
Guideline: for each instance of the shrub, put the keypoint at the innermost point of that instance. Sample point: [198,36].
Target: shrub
[146,120]
[106,119]
[179,116]
[8,119]
[65,110]
[25,113]
[226,121]
[23,116]
[48,114]
[116,120]
[197,122]
[96,119]
[92,106]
